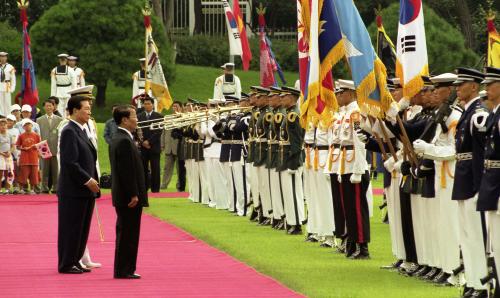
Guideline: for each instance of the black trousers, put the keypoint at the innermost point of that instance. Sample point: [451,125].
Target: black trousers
[75,215]
[181,175]
[128,226]
[338,207]
[407,226]
[356,209]
[151,162]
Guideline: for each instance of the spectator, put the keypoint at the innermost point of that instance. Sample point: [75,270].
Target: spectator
[48,131]
[55,100]
[110,128]
[14,134]
[169,146]
[6,164]
[26,114]
[15,110]
[28,160]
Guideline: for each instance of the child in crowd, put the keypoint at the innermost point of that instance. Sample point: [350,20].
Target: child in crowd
[6,164]
[28,160]
[14,134]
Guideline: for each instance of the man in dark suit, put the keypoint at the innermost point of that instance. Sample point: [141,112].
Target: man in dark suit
[129,192]
[151,145]
[78,187]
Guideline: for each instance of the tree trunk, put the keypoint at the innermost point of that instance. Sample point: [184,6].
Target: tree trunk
[157,9]
[100,98]
[466,23]
[198,16]
[169,17]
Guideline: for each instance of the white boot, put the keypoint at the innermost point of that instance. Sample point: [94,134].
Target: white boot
[87,262]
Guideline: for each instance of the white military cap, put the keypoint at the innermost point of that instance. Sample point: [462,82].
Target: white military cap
[72,58]
[227,65]
[15,107]
[468,75]
[26,121]
[346,84]
[85,91]
[11,117]
[3,54]
[491,75]
[26,108]
[215,101]
[63,55]
[445,79]
[483,94]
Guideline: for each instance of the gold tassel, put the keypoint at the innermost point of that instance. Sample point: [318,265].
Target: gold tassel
[443,174]
[330,156]
[316,159]
[308,158]
[342,162]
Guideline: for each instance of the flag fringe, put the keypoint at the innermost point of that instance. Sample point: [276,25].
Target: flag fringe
[376,78]
[413,86]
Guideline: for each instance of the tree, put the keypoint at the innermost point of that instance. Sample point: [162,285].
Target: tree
[107,36]
[12,44]
[446,49]
[10,13]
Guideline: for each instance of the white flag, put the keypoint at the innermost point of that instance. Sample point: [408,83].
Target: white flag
[232,31]
[411,47]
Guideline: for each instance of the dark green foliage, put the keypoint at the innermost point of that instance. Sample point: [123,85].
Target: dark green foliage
[11,43]
[107,36]
[445,44]
[214,51]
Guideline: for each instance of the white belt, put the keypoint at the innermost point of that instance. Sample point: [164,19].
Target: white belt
[463,156]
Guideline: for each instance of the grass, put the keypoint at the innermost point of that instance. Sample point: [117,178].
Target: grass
[304,267]
[191,81]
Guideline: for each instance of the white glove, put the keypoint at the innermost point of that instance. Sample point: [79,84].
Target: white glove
[355,178]
[231,124]
[389,164]
[403,103]
[397,165]
[392,112]
[420,146]
[291,171]
[339,178]
[361,136]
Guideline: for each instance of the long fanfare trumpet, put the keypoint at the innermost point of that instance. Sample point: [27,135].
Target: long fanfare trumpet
[186,119]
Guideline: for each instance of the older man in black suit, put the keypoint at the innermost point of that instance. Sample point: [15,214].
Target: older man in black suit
[151,145]
[78,187]
[128,191]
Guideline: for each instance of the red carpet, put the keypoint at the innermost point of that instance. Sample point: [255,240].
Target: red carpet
[171,262]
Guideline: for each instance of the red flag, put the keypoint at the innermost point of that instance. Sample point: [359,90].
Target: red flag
[29,91]
[267,67]
[247,54]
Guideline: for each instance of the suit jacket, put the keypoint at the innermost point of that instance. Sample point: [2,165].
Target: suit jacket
[152,136]
[78,163]
[127,172]
[49,132]
[169,143]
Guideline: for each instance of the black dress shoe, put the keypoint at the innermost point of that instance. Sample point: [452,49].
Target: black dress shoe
[294,230]
[84,270]
[479,294]
[254,215]
[310,238]
[393,266]
[72,270]
[128,276]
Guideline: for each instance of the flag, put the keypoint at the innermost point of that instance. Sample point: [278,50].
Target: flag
[246,53]
[43,149]
[411,62]
[385,48]
[233,33]
[156,80]
[367,70]
[325,50]
[303,29]
[268,63]
[29,91]
[493,43]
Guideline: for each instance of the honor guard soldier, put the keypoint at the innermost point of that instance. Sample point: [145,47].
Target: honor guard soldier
[63,79]
[308,176]
[292,157]
[489,192]
[79,73]
[7,84]
[354,178]
[469,166]
[258,99]
[441,149]
[227,84]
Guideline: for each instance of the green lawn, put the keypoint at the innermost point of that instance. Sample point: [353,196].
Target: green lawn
[191,81]
[304,267]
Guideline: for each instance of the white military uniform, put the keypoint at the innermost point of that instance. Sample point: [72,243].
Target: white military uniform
[223,87]
[80,76]
[7,87]
[63,79]
[310,195]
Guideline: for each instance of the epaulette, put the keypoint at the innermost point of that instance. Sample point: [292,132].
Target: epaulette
[479,118]
[292,116]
